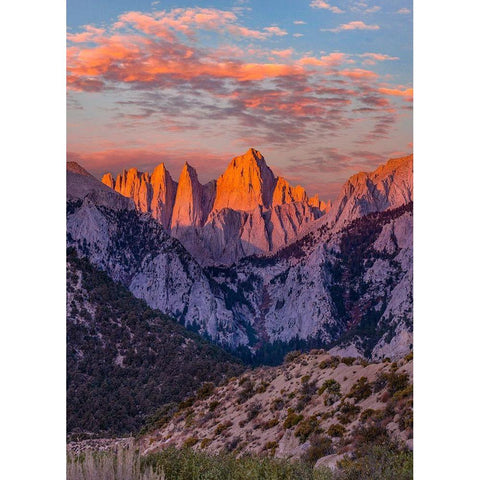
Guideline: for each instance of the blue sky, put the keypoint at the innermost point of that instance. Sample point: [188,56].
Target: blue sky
[322,89]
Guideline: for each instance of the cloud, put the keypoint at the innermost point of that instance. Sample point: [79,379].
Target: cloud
[283,53]
[406,93]
[299,22]
[358,74]
[330,60]
[373,58]
[403,11]
[298,35]
[325,6]
[155,72]
[355,25]
[273,30]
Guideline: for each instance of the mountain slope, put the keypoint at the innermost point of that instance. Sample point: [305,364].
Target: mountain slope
[315,406]
[124,360]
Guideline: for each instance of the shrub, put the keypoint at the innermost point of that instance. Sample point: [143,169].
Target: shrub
[190,442]
[306,427]
[277,404]
[347,360]
[205,442]
[393,381]
[347,412]
[336,430]
[292,419]
[271,445]
[320,446]
[222,427]
[360,390]
[330,385]
[205,390]
[291,356]
[408,357]
[331,362]
[213,405]
[247,392]
[378,463]
[270,423]
[253,410]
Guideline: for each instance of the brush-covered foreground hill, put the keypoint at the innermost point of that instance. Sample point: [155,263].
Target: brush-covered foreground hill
[315,406]
[125,359]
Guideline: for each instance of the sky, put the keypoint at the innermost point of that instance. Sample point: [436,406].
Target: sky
[322,89]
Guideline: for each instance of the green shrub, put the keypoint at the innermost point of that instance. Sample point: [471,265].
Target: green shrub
[336,430]
[347,360]
[347,412]
[213,405]
[205,442]
[330,385]
[360,390]
[291,356]
[307,427]
[378,463]
[190,442]
[205,390]
[331,362]
[292,419]
[222,427]
[392,381]
[320,446]
[270,423]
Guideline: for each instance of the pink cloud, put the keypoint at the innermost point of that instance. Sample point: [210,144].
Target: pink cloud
[373,58]
[325,6]
[355,25]
[273,30]
[283,53]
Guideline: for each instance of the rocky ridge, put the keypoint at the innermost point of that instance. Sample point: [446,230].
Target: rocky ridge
[246,211]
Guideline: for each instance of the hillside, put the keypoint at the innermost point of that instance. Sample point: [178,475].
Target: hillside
[316,407]
[124,359]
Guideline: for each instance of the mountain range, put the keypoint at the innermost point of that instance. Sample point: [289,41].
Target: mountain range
[253,263]
[246,211]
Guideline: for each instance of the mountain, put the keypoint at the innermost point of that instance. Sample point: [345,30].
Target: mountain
[347,284]
[124,359]
[135,250]
[389,186]
[246,211]
[317,407]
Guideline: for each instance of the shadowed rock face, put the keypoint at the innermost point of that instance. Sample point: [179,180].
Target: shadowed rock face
[246,211]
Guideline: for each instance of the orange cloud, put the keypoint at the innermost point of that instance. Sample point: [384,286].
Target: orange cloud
[358,74]
[407,93]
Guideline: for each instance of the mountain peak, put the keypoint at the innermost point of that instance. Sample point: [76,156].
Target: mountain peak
[246,184]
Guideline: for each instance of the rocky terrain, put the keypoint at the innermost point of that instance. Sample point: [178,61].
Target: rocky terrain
[345,284]
[315,406]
